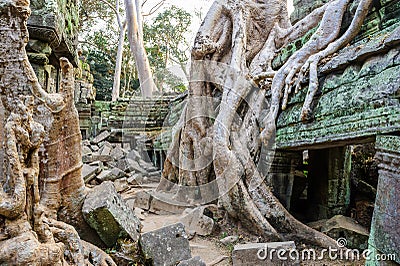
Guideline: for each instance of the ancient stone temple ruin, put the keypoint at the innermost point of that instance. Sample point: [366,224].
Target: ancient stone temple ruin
[80,182]
[358,103]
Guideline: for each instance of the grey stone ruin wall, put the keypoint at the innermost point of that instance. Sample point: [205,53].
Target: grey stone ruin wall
[52,27]
[357,102]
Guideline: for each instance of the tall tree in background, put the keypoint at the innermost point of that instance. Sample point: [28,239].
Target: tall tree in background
[95,13]
[134,22]
[166,42]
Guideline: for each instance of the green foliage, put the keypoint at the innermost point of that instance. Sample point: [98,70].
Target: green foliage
[165,43]
[101,65]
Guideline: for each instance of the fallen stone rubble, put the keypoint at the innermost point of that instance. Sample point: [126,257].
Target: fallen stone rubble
[105,161]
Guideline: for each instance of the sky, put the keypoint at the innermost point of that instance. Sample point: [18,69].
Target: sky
[193,6]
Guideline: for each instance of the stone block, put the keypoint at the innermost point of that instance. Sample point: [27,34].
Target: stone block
[133,155]
[263,254]
[342,226]
[86,150]
[117,153]
[136,167]
[88,172]
[110,175]
[166,246]
[196,261]
[142,200]
[106,149]
[121,184]
[106,212]
[195,221]
[102,136]
[96,157]
[134,179]
[164,204]
[94,147]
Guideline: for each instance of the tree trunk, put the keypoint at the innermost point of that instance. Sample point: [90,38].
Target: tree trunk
[118,64]
[32,203]
[216,151]
[137,48]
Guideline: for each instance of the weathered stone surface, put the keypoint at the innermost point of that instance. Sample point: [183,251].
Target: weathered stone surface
[86,150]
[121,184]
[355,103]
[96,157]
[262,254]
[94,148]
[110,175]
[106,149]
[164,204]
[133,179]
[102,136]
[107,213]
[88,172]
[134,165]
[105,176]
[196,261]
[196,222]
[342,226]
[166,246]
[117,153]
[229,240]
[133,155]
[142,200]
[385,228]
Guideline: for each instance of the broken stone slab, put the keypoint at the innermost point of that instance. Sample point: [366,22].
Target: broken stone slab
[117,153]
[147,166]
[164,204]
[106,149]
[106,212]
[121,184]
[96,157]
[102,136]
[133,155]
[136,167]
[148,179]
[341,226]
[196,261]
[264,254]
[229,240]
[94,148]
[118,173]
[86,150]
[127,165]
[135,179]
[166,246]
[99,165]
[110,175]
[105,175]
[142,200]
[85,142]
[88,172]
[196,222]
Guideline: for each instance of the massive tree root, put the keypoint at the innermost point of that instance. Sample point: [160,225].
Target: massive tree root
[221,119]
[31,203]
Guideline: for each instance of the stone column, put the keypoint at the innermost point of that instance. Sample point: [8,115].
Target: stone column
[328,182]
[385,229]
